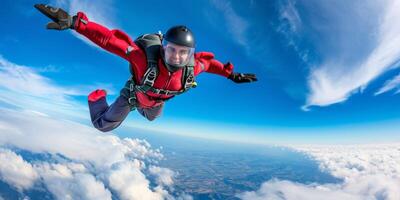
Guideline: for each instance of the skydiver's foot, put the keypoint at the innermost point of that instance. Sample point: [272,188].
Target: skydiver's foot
[96,95]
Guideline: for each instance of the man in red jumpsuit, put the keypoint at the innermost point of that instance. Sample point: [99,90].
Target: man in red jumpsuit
[176,54]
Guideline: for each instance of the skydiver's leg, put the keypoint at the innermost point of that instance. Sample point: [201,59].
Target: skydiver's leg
[151,113]
[106,118]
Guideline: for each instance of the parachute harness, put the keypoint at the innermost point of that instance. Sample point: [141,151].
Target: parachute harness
[151,44]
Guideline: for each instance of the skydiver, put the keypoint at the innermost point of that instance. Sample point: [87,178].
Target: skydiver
[162,66]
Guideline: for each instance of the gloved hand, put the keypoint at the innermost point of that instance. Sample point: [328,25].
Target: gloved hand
[61,19]
[242,78]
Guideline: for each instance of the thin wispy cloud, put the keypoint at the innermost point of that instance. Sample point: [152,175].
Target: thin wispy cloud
[23,79]
[290,13]
[236,25]
[335,80]
[102,12]
[367,171]
[26,88]
[23,87]
[49,69]
[290,27]
[390,85]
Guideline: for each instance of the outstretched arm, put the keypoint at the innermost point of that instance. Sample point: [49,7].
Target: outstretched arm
[114,41]
[206,62]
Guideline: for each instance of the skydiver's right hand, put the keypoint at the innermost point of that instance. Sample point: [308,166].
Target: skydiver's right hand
[242,78]
[61,19]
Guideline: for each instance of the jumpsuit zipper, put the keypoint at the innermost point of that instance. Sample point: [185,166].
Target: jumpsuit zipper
[167,83]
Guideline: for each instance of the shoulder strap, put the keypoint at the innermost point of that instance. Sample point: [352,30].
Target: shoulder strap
[151,44]
[188,78]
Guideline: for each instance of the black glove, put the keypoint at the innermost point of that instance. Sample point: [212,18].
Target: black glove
[242,78]
[61,19]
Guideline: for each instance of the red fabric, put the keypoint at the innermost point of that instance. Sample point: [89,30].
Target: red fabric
[117,42]
[96,95]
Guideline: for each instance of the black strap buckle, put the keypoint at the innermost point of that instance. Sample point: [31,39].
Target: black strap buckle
[163,92]
[132,96]
[132,100]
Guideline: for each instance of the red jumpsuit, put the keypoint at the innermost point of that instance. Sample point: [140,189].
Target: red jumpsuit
[106,118]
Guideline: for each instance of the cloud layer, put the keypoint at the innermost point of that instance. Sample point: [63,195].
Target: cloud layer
[70,160]
[367,171]
[94,165]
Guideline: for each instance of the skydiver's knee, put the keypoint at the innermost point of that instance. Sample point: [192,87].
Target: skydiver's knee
[150,113]
[151,118]
[100,128]
[103,128]
[147,115]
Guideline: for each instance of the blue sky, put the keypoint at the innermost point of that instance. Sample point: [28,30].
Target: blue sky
[328,71]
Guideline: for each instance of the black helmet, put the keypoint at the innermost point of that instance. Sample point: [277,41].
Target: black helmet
[180,35]
[178,45]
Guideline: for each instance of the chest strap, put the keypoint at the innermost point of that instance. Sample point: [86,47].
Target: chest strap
[151,74]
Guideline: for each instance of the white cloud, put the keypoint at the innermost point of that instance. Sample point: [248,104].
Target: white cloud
[280,190]
[28,130]
[348,161]
[367,171]
[338,77]
[66,182]
[130,183]
[15,171]
[389,85]
[184,197]
[164,175]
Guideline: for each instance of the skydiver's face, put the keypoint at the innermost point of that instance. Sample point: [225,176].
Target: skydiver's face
[177,55]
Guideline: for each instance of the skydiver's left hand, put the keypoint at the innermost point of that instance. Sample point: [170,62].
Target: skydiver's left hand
[61,19]
[242,78]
